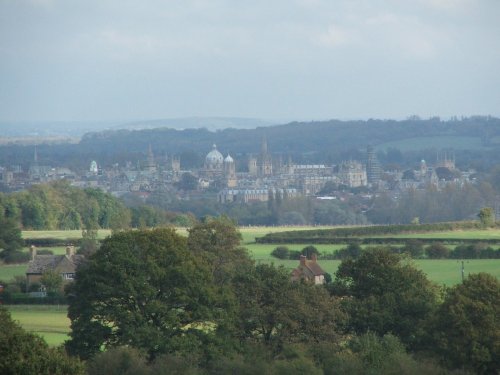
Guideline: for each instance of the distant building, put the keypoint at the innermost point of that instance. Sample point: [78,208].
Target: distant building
[309,270]
[352,174]
[373,169]
[64,265]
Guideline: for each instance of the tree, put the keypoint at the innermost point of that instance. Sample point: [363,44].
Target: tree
[25,353]
[274,310]
[384,295]
[188,182]
[10,238]
[51,280]
[466,331]
[217,243]
[487,217]
[437,251]
[281,252]
[309,251]
[143,289]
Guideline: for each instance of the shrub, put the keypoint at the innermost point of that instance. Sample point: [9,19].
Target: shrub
[437,251]
[281,252]
[15,256]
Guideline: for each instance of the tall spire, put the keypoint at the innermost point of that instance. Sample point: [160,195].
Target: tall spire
[263,147]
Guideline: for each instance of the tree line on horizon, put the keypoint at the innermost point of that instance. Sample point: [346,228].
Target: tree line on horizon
[307,142]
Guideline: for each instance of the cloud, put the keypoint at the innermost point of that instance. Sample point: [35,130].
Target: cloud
[408,35]
[335,36]
[447,5]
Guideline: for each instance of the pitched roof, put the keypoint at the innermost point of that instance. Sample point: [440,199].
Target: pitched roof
[58,263]
[309,269]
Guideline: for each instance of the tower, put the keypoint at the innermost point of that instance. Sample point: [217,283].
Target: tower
[265,162]
[373,169]
[230,171]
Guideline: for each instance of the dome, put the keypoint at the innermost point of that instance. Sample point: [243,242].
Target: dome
[214,159]
[228,159]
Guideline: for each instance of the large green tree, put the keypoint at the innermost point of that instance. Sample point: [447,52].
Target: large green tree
[466,330]
[383,294]
[217,242]
[143,289]
[25,353]
[275,311]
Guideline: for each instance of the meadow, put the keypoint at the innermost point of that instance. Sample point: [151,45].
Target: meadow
[49,321]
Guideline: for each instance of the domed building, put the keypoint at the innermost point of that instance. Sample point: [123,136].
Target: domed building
[214,161]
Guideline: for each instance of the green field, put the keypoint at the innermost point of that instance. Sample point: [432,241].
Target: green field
[61,234]
[50,322]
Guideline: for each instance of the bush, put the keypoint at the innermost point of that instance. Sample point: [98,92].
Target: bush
[309,251]
[281,252]
[15,256]
[437,251]
[44,252]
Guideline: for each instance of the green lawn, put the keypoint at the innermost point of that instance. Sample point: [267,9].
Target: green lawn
[50,322]
[8,271]
[61,234]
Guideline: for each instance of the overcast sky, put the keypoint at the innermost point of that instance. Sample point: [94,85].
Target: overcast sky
[274,59]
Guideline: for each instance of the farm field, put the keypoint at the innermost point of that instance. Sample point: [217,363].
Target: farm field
[49,321]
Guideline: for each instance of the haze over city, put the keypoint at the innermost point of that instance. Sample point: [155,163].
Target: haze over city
[276,61]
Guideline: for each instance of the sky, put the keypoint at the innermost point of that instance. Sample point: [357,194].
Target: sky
[114,60]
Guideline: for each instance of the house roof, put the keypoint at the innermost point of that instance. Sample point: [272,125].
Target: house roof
[58,263]
[309,269]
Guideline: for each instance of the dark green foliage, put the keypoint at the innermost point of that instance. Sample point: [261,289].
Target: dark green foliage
[414,248]
[143,289]
[437,251]
[310,251]
[371,354]
[26,353]
[275,311]
[466,329]
[118,361]
[353,250]
[326,235]
[281,252]
[188,182]
[217,243]
[382,294]
[10,242]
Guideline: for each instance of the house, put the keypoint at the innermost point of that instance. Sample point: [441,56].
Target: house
[65,265]
[309,270]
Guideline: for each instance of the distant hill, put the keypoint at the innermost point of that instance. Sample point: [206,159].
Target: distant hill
[50,130]
[321,141]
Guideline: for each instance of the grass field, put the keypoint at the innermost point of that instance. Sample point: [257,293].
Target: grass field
[50,322]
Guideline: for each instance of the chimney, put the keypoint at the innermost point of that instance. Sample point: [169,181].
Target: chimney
[303,260]
[33,252]
[70,251]
[314,257]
